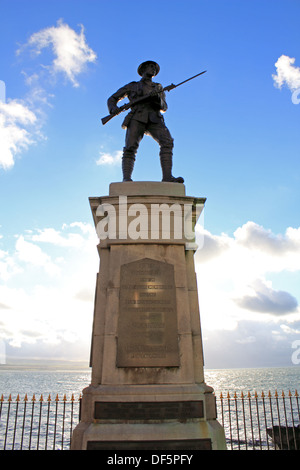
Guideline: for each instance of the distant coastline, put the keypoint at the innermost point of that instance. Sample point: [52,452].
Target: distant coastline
[39,365]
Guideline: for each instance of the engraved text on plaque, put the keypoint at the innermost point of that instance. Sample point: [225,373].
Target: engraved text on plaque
[147,329]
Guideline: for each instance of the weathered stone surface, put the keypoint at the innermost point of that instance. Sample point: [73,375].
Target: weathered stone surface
[185,444]
[147,188]
[147,330]
[146,354]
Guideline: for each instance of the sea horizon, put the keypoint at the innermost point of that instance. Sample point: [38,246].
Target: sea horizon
[72,378]
[83,365]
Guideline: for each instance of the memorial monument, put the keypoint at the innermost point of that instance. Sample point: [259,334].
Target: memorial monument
[147,390]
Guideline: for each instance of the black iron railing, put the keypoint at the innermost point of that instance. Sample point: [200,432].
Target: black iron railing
[37,424]
[258,422]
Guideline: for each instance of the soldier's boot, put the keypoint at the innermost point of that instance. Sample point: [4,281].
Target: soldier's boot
[166,165]
[127,168]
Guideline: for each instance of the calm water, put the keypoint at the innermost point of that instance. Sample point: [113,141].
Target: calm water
[222,380]
[60,382]
[251,380]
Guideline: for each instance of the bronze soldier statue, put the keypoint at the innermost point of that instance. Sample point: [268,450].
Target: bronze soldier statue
[145,118]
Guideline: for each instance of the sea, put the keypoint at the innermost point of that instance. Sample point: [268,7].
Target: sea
[61,384]
[39,381]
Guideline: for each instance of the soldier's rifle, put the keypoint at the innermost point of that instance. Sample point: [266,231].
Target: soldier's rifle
[146,97]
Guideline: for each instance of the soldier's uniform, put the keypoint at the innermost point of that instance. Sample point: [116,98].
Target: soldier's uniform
[145,118]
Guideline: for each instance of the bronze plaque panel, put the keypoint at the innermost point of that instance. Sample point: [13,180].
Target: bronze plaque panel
[147,329]
[188,444]
[180,410]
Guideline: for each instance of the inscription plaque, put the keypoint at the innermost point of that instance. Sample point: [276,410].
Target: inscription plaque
[188,444]
[181,410]
[147,328]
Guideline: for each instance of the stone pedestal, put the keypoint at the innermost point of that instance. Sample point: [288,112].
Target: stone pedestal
[147,389]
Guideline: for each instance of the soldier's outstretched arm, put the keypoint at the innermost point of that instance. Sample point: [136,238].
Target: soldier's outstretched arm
[116,97]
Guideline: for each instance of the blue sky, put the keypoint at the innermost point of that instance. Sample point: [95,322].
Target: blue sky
[236,133]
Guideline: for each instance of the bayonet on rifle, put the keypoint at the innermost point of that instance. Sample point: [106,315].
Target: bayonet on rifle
[144,98]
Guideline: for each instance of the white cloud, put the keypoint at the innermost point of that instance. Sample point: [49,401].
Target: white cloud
[75,236]
[85,228]
[2,91]
[110,159]
[18,128]
[290,331]
[55,237]
[85,295]
[70,49]
[287,73]
[263,298]
[3,306]
[251,252]
[47,315]
[47,304]
[213,245]
[242,313]
[15,111]
[247,340]
[8,266]
[21,121]
[33,254]
[234,277]
[252,235]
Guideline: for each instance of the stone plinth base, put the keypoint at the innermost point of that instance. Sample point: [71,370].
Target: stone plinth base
[148,389]
[149,418]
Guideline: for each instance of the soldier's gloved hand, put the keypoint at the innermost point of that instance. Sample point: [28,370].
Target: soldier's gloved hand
[155,99]
[114,110]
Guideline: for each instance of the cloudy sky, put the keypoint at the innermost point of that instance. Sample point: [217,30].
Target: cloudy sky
[236,132]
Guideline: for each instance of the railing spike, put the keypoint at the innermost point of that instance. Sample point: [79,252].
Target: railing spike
[232,410]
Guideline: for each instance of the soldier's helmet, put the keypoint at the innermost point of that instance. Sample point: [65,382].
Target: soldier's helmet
[144,64]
